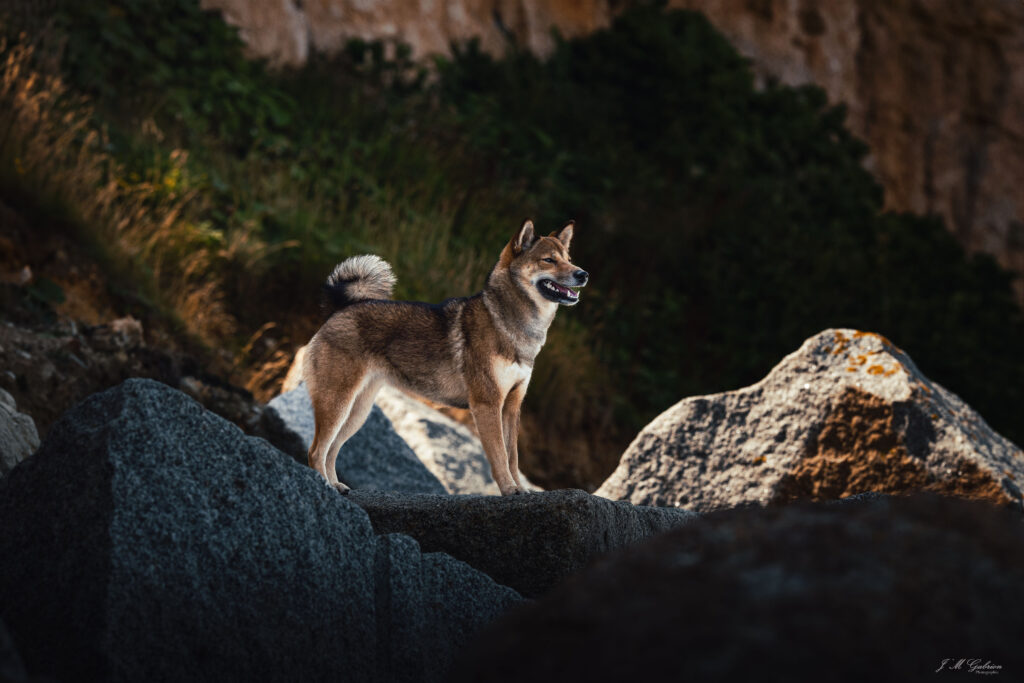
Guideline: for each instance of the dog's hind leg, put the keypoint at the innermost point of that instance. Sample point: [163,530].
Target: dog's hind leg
[331,409]
[356,417]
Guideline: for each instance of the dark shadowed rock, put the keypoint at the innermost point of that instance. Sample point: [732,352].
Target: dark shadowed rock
[375,457]
[846,413]
[49,366]
[149,539]
[529,542]
[865,591]
[12,670]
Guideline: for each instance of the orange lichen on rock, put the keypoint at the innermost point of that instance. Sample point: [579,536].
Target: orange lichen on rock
[841,343]
[861,334]
[888,345]
[859,449]
[759,460]
[880,370]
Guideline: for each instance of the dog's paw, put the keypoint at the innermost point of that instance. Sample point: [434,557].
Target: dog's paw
[342,489]
[513,491]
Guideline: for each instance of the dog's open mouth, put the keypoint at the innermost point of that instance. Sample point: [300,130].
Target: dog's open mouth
[558,293]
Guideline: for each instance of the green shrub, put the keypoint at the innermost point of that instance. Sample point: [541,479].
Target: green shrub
[170,59]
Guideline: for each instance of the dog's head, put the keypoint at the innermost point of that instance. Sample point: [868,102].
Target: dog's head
[542,264]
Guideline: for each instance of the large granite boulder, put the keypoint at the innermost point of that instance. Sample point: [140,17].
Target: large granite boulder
[375,457]
[18,436]
[529,542]
[149,539]
[848,412]
[892,589]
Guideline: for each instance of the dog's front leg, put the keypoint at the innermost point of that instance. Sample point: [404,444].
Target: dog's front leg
[487,415]
[510,424]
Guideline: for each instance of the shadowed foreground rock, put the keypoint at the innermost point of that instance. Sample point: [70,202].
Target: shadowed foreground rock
[846,413]
[865,591]
[375,457]
[11,668]
[149,539]
[529,542]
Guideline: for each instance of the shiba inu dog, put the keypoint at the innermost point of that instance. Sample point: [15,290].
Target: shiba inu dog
[476,352]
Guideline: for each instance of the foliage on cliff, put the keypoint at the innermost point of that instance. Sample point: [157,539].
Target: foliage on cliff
[722,223]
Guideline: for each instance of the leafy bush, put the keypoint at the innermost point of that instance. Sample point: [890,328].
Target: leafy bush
[177,61]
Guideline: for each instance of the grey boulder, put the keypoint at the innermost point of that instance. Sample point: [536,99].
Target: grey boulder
[846,413]
[447,448]
[529,542]
[149,539]
[891,589]
[18,436]
[375,457]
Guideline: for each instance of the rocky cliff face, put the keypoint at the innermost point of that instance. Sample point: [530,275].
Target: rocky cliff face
[285,31]
[936,87]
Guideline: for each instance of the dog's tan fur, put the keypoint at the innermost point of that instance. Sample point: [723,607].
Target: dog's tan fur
[476,352]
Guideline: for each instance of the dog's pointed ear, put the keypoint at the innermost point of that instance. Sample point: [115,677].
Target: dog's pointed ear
[523,239]
[565,234]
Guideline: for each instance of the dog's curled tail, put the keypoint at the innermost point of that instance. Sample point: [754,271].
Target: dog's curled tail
[358,279]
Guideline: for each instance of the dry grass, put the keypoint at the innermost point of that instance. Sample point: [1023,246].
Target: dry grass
[52,152]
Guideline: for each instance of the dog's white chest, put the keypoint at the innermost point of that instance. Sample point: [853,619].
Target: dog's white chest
[508,374]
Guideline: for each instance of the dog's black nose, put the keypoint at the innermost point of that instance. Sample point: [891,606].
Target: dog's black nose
[581,276]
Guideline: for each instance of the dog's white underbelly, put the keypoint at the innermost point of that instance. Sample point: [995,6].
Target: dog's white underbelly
[508,374]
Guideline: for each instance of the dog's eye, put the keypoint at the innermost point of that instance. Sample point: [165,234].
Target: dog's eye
[549,260]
